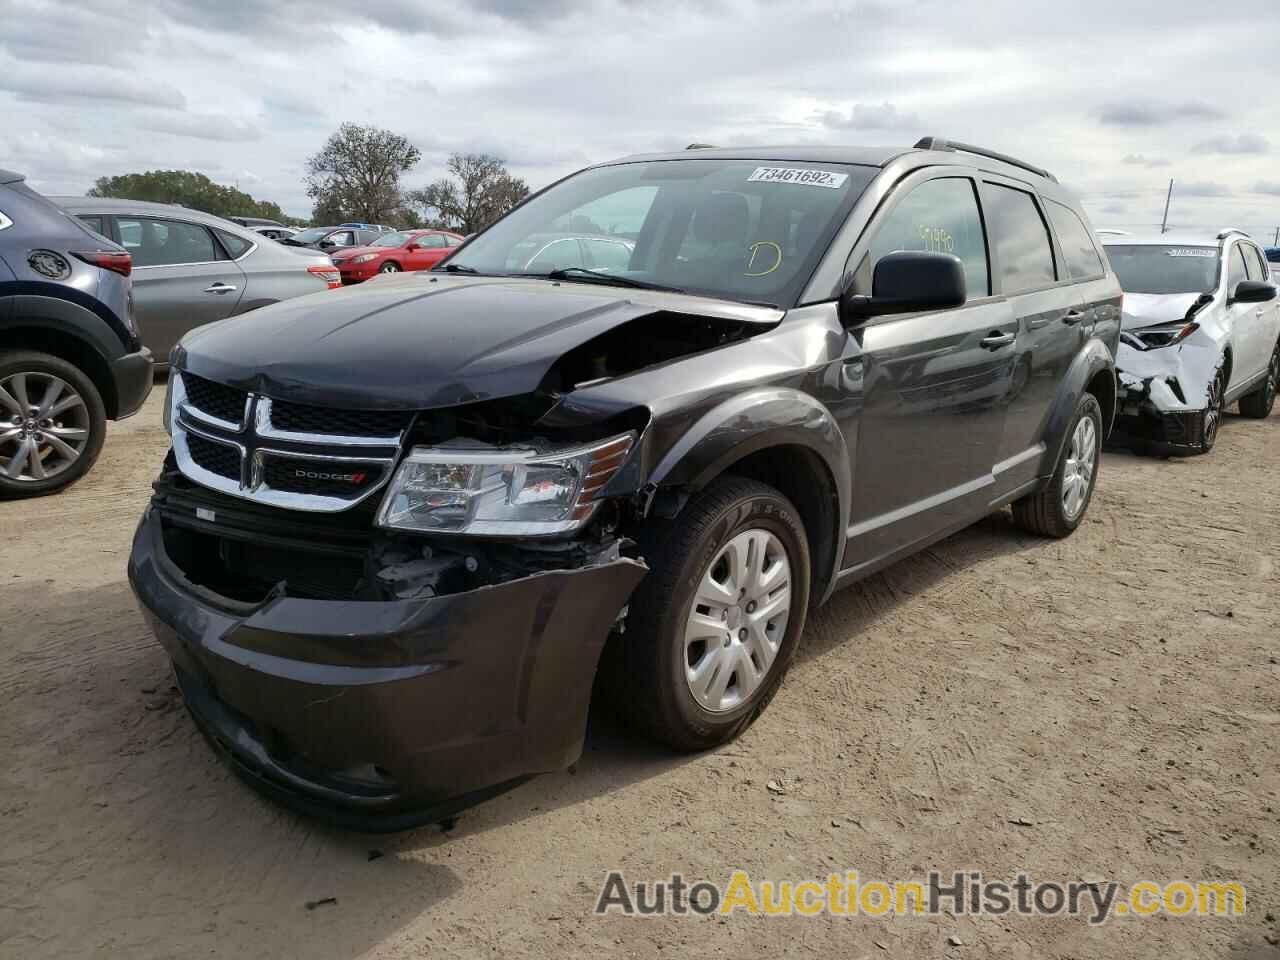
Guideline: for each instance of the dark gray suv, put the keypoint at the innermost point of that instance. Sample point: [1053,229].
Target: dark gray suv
[70,357]
[400,529]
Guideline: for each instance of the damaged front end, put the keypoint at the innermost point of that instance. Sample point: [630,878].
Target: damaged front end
[1168,375]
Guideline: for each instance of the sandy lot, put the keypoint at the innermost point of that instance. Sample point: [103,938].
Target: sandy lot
[1118,693]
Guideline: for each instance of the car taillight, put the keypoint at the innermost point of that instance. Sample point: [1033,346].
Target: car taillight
[116,262]
[329,275]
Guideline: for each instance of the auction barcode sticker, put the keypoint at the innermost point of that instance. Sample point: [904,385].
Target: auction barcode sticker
[807,178]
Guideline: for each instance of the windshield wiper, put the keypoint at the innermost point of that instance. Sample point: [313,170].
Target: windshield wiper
[599,276]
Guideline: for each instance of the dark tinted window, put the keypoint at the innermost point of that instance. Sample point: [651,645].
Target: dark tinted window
[1019,238]
[939,216]
[1077,246]
[156,243]
[236,246]
[1236,270]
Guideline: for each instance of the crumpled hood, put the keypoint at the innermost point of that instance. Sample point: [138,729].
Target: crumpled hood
[1149,309]
[423,340]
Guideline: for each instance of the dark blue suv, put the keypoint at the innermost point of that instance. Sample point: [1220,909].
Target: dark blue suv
[70,357]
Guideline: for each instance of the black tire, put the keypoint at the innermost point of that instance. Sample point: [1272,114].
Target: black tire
[1044,512]
[1214,412]
[30,361]
[1259,403]
[649,677]
[389,267]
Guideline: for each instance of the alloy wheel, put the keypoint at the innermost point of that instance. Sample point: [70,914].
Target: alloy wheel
[388,268]
[1273,378]
[737,620]
[1082,460]
[44,426]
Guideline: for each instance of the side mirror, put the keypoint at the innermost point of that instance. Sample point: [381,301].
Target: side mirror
[327,243]
[908,281]
[413,246]
[1253,291]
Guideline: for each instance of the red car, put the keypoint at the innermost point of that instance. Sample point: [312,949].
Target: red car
[393,252]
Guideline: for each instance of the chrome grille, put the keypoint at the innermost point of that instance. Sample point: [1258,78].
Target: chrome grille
[282,454]
[303,418]
[214,400]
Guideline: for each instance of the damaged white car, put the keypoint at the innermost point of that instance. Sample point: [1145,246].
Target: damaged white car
[1201,330]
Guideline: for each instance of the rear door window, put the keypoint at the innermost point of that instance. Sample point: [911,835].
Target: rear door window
[939,216]
[156,243]
[1078,249]
[1019,239]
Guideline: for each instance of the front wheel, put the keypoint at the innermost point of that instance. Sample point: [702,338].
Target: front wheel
[1213,412]
[1057,509]
[389,267]
[716,623]
[1258,404]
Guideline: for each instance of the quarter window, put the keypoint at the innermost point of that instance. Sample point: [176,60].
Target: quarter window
[94,223]
[1019,238]
[236,246]
[1077,246]
[940,216]
[156,243]
[1236,269]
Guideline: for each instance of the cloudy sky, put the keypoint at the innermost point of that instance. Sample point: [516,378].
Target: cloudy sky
[1115,96]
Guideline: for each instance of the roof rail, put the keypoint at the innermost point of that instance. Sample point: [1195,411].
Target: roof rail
[1228,231]
[701,146]
[937,143]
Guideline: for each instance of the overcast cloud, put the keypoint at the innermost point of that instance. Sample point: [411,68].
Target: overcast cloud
[1115,98]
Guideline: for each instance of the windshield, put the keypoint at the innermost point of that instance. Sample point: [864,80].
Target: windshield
[1158,269]
[740,229]
[312,235]
[391,240]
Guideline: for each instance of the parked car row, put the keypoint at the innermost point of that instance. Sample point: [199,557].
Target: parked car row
[623,441]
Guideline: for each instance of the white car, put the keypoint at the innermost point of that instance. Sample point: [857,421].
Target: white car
[1201,330]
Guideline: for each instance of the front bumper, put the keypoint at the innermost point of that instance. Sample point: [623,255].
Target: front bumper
[359,274]
[1163,395]
[133,375]
[384,715]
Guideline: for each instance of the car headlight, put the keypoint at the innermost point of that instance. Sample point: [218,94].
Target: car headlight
[518,492]
[364,258]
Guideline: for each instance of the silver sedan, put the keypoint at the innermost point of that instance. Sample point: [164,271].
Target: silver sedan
[191,268]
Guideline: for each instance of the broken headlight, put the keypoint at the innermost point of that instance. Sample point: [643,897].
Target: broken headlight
[507,492]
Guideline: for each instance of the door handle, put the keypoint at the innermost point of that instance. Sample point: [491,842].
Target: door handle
[220,288]
[1072,317]
[995,340]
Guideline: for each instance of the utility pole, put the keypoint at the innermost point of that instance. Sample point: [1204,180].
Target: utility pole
[1164,224]
[1276,242]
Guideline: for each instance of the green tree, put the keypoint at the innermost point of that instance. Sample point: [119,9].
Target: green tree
[192,190]
[356,174]
[480,192]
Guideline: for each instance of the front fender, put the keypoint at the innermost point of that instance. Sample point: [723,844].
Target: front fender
[1093,358]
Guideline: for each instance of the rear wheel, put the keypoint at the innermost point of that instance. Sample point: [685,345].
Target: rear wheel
[52,424]
[1259,403]
[1057,509]
[389,267]
[716,623]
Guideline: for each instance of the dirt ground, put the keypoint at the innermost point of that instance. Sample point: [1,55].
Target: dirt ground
[1106,706]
